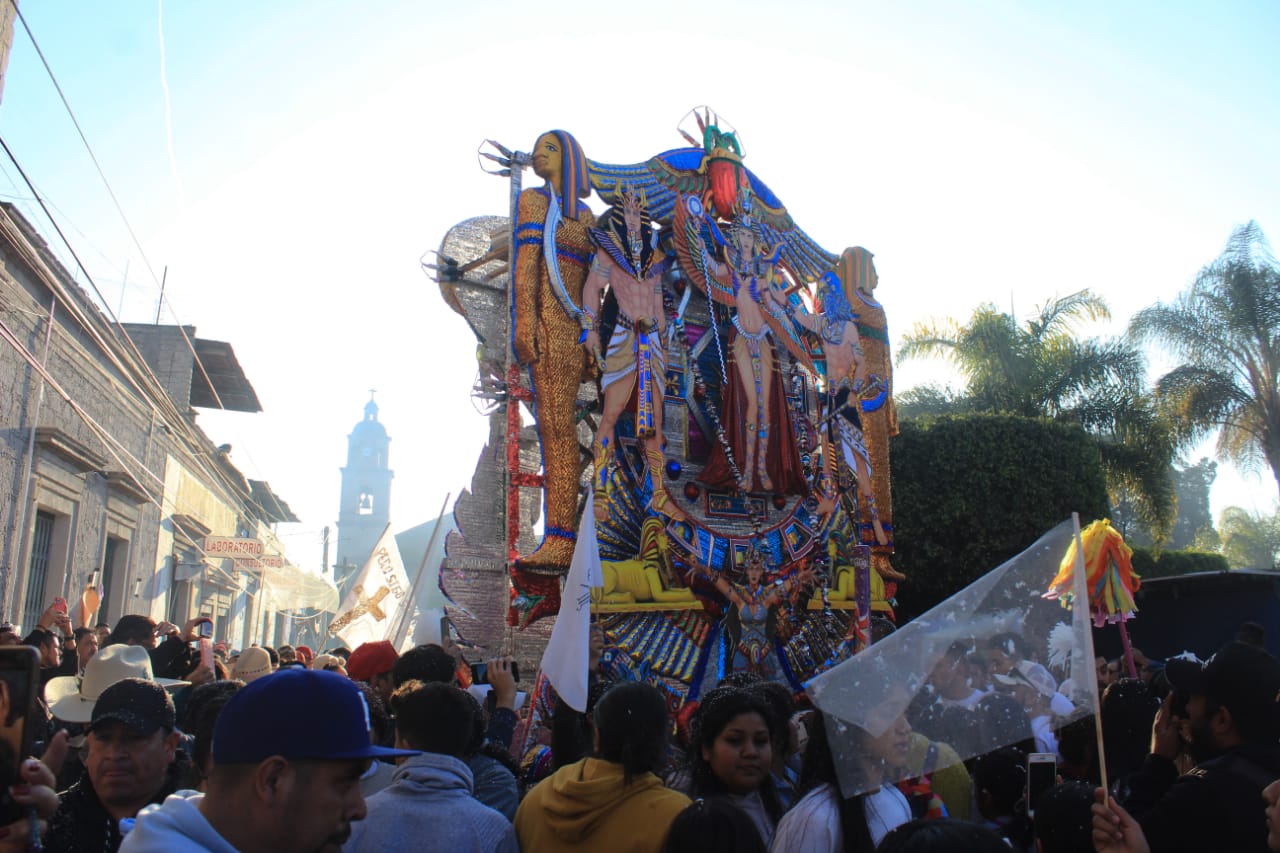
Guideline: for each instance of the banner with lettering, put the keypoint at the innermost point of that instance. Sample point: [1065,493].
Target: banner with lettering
[371,609]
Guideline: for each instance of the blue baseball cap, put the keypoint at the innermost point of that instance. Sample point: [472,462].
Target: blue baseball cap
[298,714]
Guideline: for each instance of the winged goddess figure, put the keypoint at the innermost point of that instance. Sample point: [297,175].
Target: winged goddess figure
[712,170]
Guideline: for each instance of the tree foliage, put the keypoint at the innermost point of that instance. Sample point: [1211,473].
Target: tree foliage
[1040,369]
[1043,368]
[1225,330]
[1250,540]
[930,399]
[971,491]
[1192,527]
[1149,564]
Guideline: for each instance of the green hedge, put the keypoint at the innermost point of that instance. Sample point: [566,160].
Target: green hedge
[971,491]
[1167,564]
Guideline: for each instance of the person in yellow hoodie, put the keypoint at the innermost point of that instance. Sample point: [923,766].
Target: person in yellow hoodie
[612,801]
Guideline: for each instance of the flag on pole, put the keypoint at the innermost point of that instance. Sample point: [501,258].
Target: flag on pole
[566,660]
[372,607]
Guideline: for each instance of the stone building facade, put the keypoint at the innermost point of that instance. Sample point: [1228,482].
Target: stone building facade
[105,478]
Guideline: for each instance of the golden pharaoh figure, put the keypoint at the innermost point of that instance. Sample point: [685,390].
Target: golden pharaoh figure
[546,332]
[857,271]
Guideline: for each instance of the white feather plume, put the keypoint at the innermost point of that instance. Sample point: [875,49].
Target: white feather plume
[1061,643]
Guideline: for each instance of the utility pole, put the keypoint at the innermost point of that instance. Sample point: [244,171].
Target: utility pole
[324,561]
[8,14]
[321,623]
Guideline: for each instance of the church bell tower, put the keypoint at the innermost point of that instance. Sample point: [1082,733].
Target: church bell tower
[366,495]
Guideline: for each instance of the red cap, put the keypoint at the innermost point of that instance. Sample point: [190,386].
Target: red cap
[371,659]
[304,654]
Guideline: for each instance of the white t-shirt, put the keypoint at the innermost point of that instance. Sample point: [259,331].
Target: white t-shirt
[1045,739]
[753,807]
[1061,705]
[968,703]
[813,824]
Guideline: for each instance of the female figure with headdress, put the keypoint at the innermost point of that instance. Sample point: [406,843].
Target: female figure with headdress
[857,271]
[630,266]
[847,380]
[553,255]
[754,609]
[753,408]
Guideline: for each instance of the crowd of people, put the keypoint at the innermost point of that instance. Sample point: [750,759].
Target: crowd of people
[149,743]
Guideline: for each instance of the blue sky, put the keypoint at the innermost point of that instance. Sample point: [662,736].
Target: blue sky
[990,151]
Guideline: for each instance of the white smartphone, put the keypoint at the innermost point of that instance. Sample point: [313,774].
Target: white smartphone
[1042,774]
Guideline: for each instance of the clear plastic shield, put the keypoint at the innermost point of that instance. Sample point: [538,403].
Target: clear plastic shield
[994,665]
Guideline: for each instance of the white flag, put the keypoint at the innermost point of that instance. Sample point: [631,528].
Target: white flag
[371,609]
[567,658]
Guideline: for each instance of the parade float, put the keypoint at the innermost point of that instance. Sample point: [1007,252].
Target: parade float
[663,340]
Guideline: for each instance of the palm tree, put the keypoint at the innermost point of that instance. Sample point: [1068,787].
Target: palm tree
[1249,540]
[1225,329]
[1040,370]
[1043,369]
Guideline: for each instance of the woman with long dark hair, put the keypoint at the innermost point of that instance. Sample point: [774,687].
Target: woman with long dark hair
[823,821]
[713,826]
[731,754]
[595,802]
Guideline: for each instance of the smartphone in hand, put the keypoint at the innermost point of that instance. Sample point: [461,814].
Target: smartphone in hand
[19,690]
[60,605]
[1042,774]
[480,672]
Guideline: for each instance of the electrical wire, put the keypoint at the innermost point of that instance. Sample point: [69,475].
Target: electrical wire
[128,226]
[116,201]
[119,208]
[65,217]
[140,364]
[121,455]
[114,446]
[85,140]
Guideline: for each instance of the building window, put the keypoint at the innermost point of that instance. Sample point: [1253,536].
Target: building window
[38,574]
[365,504]
[115,558]
[187,572]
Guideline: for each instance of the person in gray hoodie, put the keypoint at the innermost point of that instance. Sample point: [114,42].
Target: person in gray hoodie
[288,752]
[429,805]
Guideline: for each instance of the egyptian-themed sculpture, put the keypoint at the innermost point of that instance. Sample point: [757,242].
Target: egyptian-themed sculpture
[553,252]
[738,432]
[749,645]
[847,379]
[857,271]
[628,266]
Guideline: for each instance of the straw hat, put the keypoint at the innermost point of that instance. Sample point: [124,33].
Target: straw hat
[325,661]
[72,699]
[252,664]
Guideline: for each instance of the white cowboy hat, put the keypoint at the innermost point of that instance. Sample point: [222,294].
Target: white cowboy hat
[71,699]
[252,664]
